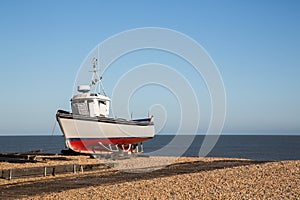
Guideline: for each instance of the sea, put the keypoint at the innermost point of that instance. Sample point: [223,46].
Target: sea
[255,147]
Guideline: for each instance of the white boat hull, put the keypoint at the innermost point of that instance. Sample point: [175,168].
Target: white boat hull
[92,134]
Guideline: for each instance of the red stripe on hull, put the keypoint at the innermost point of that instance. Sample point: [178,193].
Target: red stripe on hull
[94,145]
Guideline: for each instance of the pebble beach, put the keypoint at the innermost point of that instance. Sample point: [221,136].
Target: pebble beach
[160,178]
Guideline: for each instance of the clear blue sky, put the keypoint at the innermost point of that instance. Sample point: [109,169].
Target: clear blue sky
[255,44]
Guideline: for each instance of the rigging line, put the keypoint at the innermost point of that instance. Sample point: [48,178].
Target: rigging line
[53,129]
[102,89]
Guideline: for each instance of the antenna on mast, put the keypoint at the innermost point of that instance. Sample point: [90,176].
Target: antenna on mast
[95,60]
[96,78]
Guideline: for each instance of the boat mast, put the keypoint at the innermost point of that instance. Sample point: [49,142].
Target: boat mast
[96,78]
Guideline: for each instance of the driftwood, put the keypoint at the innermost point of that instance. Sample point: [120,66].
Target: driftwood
[17,158]
[29,157]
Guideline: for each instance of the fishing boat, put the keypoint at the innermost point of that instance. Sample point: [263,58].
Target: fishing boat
[89,129]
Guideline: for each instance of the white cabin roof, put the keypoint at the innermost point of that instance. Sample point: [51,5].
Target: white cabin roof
[90,96]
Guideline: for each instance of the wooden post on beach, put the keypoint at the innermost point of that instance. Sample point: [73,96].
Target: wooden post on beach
[53,171]
[74,168]
[81,168]
[10,174]
[45,171]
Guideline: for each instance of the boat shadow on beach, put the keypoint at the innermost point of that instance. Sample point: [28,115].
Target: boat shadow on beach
[99,178]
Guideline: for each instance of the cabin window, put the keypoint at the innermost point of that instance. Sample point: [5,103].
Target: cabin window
[103,102]
[90,101]
[78,101]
